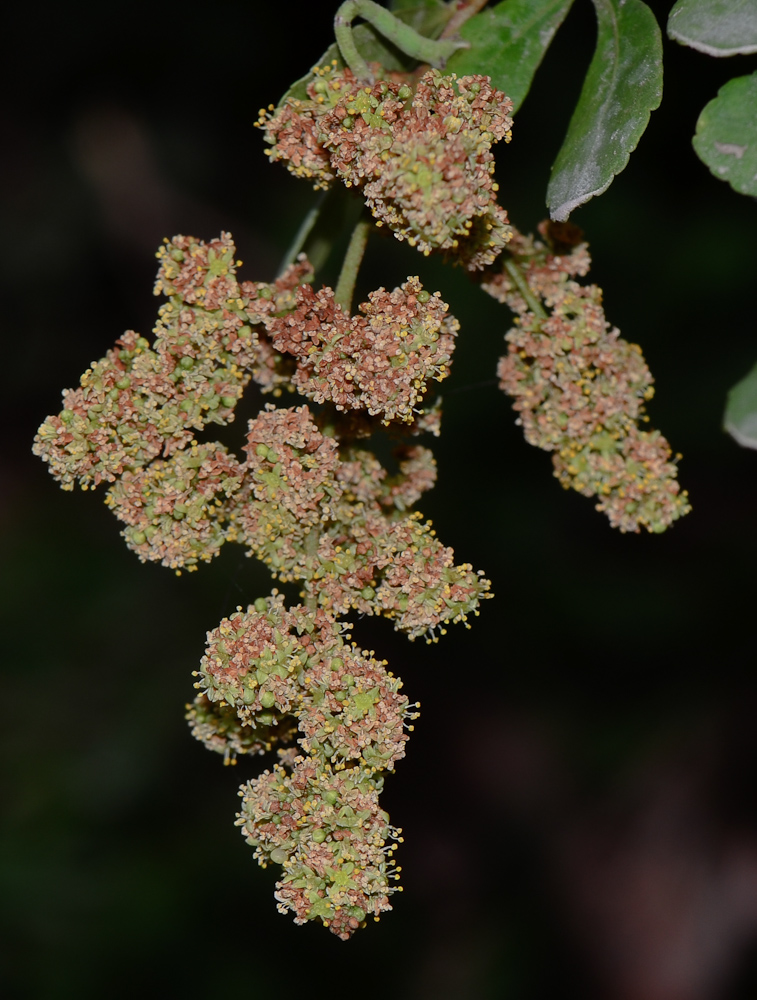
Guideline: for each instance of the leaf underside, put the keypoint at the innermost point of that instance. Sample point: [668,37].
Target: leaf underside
[726,134]
[622,87]
[740,418]
[716,27]
[508,42]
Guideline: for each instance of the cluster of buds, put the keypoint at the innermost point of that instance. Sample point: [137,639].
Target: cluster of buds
[266,671]
[315,507]
[579,388]
[421,156]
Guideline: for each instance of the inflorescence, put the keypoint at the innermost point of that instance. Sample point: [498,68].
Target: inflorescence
[420,156]
[305,497]
[579,388]
[315,507]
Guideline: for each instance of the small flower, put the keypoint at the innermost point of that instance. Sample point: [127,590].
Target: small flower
[218,727]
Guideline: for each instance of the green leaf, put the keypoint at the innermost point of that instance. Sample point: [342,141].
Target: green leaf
[726,134]
[507,43]
[740,418]
[426,18]
[716,27]
[621,89]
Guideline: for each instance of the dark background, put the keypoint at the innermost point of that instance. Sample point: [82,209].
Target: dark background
[578,802]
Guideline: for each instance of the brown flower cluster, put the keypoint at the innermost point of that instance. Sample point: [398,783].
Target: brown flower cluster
[422,159]
[315,507]
[331,836]
[343,529]
[266,670]
[176,509]
[140,402]
[580,389]
[380,361]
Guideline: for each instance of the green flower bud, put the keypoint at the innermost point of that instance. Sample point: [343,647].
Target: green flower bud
[268,699]
[319,836]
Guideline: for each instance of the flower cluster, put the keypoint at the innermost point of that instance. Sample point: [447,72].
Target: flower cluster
[139,402]
[333,840]
[265,670]
[342,527]
[380,361]
[422,159]
[580,389]
[315,507]
[176,509]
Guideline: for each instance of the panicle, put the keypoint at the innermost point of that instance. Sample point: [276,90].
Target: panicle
[314,507]
[332,528]
[140,402]
[332,838]
[579,389]
[421,158]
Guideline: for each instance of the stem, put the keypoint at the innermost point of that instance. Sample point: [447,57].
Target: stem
[345,286]
[302,234]
[407,39]
[461,15]
[522,285]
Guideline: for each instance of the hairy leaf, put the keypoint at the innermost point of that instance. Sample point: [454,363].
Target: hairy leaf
[507,43]
[740,418]
[726,134]
[621,89]
[717,27]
